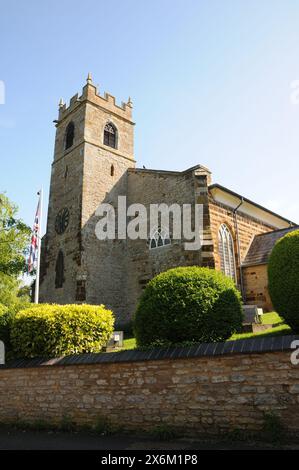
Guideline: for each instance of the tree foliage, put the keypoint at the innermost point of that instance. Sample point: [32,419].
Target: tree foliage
[11,292]
[14,239]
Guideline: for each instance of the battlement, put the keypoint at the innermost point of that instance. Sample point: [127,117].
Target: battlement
[91,94]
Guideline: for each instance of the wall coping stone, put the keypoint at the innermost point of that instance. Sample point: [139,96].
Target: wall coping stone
[242,346]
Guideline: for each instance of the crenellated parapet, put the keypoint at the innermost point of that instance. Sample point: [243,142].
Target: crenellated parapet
[90,93]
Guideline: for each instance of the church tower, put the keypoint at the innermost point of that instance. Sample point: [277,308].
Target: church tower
[93,151]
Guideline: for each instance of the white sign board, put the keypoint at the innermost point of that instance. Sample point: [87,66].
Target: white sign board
[2,353]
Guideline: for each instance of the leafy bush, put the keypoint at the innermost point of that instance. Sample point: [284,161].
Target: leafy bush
[5,321]
[188,304]
[7,315]
[3,309]
[13,298]
[283,274]
[55,330]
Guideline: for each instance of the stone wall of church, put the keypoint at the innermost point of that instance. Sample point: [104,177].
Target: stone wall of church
[84,176]
[256,286]
[65,192]
[248,227]
[103,267]
[103,261]
[156,187]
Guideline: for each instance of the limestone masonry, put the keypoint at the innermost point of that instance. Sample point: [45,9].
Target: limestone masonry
[94,163]
[197,393]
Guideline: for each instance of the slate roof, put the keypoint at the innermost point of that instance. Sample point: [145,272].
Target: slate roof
[262,246]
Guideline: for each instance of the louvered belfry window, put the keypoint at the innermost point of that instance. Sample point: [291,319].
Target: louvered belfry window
[110,134]
[226,252]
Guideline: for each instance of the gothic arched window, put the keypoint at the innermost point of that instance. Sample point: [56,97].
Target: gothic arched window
[159,238]
[112,170]
[59,270]
[69,135]
[110,135]
[226,252]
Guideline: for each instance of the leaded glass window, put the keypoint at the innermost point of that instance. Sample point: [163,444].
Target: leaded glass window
[159,238]
[226,252]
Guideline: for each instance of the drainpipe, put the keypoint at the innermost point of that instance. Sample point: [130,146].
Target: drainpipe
[238,246]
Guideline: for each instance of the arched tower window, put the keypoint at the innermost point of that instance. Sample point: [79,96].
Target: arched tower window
[69,135]
[112,170]
[110,135]
[226,252]
[59,270]
[159,238]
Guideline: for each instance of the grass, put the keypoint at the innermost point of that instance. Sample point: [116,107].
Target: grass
[271,318]
[129,343]
[279,329]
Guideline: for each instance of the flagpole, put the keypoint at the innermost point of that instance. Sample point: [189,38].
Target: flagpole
[39,241]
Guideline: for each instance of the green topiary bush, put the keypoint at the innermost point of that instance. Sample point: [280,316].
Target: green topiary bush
[188,304]
[283,274]
[56,330]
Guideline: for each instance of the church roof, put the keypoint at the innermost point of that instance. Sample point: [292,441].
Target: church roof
[172,172]
[248,201]
[262,246]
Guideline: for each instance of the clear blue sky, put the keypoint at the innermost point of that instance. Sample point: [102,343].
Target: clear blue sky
[210,82]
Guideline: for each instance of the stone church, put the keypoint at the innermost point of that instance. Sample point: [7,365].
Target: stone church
[94,163]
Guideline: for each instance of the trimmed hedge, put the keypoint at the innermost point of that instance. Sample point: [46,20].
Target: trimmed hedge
[5,323]
[7,315]
[188,304]
[3,309]
[57,330]
[283,274]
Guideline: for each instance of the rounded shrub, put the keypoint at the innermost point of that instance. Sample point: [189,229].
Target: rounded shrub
[188,304]
[56,330]
[283,275]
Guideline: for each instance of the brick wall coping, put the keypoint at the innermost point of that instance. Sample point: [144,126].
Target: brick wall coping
[242,346]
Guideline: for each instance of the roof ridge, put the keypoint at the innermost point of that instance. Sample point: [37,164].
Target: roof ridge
[294,227]
[259,250]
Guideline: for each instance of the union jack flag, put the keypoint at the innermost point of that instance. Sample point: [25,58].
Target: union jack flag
[33,251]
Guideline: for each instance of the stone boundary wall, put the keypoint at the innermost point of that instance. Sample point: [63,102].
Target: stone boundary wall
[206,388]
